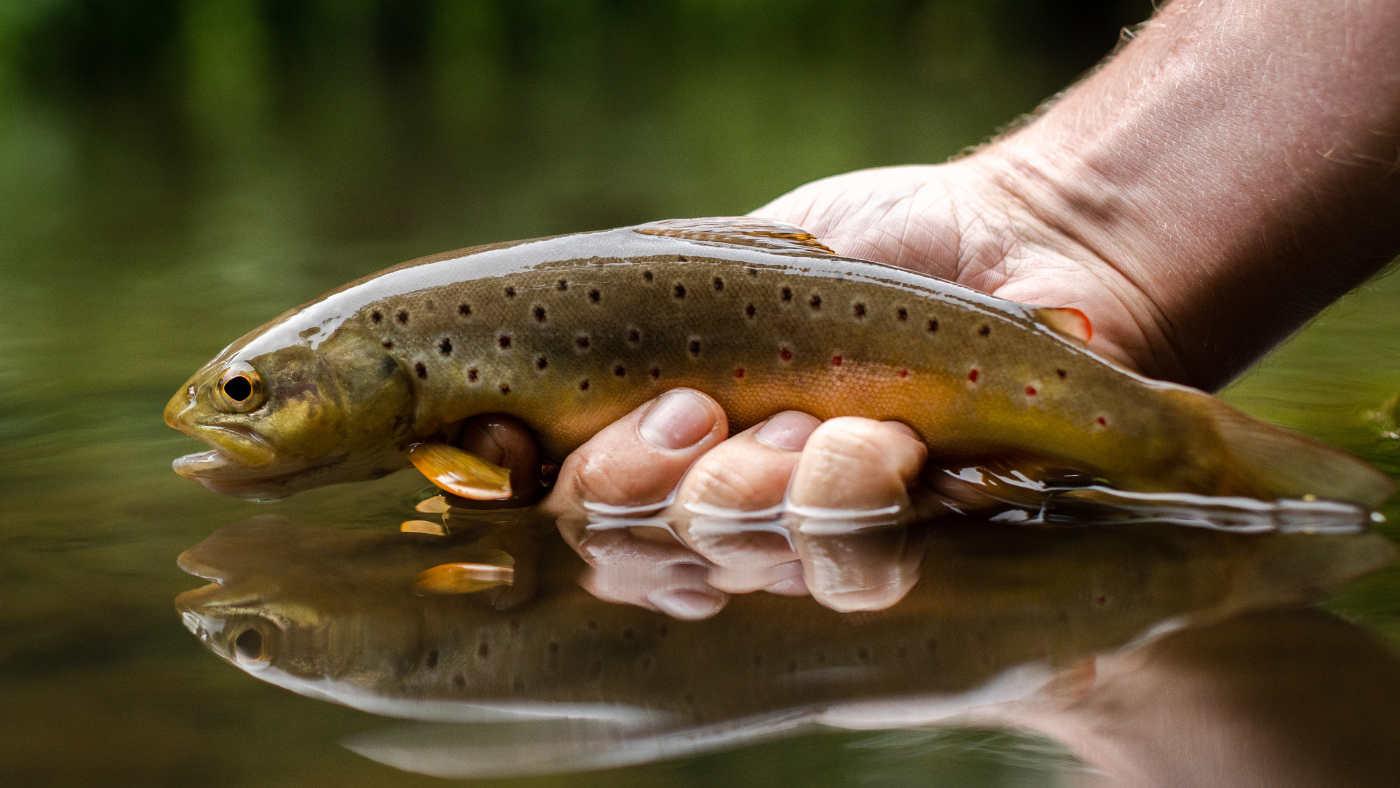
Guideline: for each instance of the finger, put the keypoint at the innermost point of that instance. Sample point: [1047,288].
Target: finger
[639,573]
[747,473]
[636,463]
[507,442]
[638,460]
[850,469]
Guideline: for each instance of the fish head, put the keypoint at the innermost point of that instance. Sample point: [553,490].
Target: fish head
[294,416]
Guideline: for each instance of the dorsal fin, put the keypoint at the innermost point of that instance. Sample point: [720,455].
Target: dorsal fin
[738,231]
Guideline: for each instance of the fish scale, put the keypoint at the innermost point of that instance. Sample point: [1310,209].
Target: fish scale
[573,332]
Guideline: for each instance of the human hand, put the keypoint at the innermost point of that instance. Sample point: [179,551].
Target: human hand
[673,514]
[957,222]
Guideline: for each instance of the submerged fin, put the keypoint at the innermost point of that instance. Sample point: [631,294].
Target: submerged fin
[423,527]
[463,578]
[1291,466]
[461,473]
[1066,321]
[739,231]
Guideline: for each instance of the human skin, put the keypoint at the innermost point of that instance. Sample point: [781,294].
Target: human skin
[1226,175]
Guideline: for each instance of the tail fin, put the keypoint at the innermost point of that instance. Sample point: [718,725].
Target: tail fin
[1291,466]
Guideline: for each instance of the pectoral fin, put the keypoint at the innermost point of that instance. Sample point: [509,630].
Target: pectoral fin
[461,473]
[1067,321]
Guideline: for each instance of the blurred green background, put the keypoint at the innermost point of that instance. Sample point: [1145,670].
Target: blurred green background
[175,172]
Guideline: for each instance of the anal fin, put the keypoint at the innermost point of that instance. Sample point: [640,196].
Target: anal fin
[461,473]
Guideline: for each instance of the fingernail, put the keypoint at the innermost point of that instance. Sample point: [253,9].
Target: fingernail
[788,430]
[679,420]
[686,604]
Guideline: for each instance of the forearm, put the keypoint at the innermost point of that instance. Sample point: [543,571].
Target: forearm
[1239,162]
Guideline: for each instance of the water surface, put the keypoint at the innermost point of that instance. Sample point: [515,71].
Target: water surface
[151,213]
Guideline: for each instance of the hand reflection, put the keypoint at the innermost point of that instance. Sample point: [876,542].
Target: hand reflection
[673,515]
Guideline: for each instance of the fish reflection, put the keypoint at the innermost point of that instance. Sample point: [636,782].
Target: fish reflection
[995,617]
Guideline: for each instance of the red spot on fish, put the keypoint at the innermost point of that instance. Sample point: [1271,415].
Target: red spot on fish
[1102,421]
[835,361]
[785,354]
[739,373]
[904,373]
[1030,391]
[972,376]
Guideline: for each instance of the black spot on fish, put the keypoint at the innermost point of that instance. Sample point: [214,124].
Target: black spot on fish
[540,314]
[753,272]
[901,314]
[634,336]
[541,362]
[583,385]
[432,659]
[504,341]
[858,310]
[387,345]
[473,375]
[984,330]
[680,258]
[593,625]
[863,654]
[1061,373]
[787,293]
[445,346]
[647,276]
[680,290]
[430,305]
[931,326]
[719,284]
[582,342]
[505,388]
[483,650]
[459,681]
[388,366]
[554,648]
[694,347]
[510,292]
[376,316]
[465,310]
[563,285]
[421,369]
[619,370]
[403,316]
[750,311]
[595,296]
[815,301]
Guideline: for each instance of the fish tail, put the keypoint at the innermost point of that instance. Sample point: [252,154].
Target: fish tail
[1286,465]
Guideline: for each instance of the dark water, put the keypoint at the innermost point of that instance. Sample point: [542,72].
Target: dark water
[173,177]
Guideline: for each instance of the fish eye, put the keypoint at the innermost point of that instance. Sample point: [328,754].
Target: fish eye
[240,388]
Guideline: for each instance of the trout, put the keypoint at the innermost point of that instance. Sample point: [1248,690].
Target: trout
[571,333]
[998,613]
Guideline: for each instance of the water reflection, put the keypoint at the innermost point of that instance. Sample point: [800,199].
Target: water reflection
[1132,645]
